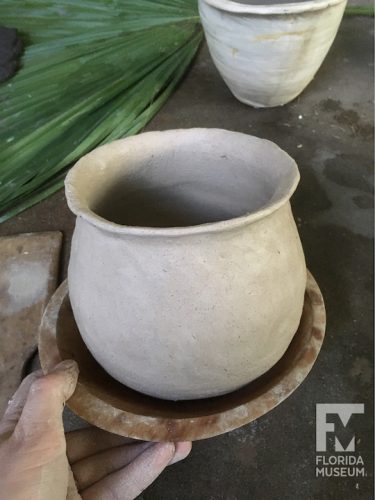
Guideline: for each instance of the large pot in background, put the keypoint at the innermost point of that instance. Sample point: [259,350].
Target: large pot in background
[187,274]
[269,52]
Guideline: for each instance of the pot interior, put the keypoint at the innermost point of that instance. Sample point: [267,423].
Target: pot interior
[193,190]
[187,179]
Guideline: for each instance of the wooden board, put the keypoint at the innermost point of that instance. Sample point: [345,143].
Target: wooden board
[28,277]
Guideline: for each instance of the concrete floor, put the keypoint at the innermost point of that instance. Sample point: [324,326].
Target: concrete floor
[329,131]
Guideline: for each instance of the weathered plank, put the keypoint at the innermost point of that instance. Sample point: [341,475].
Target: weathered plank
[28,277]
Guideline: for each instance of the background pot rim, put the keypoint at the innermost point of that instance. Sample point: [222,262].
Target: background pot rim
[272,9]
[81,209]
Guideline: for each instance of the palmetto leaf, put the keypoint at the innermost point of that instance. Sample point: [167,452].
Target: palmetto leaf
[93,71]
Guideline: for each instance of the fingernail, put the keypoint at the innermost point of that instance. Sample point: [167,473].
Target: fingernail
[183,448]
[167,446]
[66,365]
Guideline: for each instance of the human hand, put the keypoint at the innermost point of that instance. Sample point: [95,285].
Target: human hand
[35,455]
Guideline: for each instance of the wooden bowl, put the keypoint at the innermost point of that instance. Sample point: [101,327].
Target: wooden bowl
[105,403]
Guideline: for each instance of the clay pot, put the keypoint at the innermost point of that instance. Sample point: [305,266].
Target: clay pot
[267,53]
[185,258]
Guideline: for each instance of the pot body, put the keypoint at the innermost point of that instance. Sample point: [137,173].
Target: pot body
[189,312]
[268,59]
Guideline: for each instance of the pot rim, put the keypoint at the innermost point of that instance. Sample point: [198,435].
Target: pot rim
[81,209]
[272,9]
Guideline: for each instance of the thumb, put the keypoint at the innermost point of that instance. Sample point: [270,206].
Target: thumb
[45,401]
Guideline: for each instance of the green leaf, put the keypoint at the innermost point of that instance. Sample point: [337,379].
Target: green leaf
[93,71]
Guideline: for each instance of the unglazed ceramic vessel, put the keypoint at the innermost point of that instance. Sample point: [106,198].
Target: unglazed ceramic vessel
[185,259]
[268,52]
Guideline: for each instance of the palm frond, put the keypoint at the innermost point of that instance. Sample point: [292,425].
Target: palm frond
[93,71]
